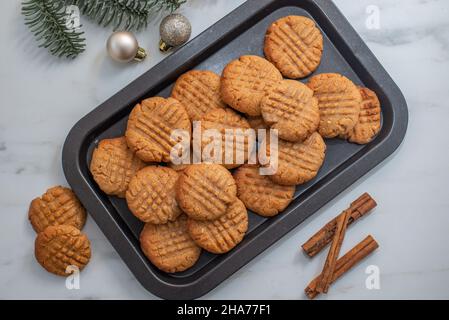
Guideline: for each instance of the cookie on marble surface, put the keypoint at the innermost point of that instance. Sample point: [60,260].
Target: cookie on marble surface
[259,193]
[205,191]
[199,92]
[57,206]
[169,246]
[368,125]
[339,102]
[291,108]
[222,234]
[151,195]
[150,126]
[113,165]
[244,82]
[298,162]
[294,45]
[58,247]
[234,133]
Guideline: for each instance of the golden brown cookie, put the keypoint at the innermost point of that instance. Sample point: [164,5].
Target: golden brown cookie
[244,82]
[182,166]
[169,246]
[222,234]
[259,193]
[199,92]
[150,126]
[298,162]
[58,247]
[235,137]
[368,125]
[257,123]
[151,195]
[339,103]
[291,108]
[294,45]
[205,191]
[178,167]
[58,205]
[113,165]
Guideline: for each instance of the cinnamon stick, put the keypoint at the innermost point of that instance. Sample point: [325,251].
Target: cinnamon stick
[345,263]
[334,252]
[357,209]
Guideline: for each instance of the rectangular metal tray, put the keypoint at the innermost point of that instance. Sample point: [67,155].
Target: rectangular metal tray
[239,33]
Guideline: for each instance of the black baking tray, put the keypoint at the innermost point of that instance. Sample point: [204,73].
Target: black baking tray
[239,33]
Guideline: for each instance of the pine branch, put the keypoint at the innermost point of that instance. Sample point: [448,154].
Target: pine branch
[47,21]
[123,14]
[164,5]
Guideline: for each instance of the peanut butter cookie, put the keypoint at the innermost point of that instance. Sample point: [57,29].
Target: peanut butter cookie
[178,167]
[259,193]
[244,82]
[234,134]
[151,195]
[257,123]
[339,103]
[150,126]
[291,108]
[222,234]
[169,246]
[113,165]
[58,247]
[298,162]
[199,92]
[205,191]
[294,45]
[368,125]
[57,206]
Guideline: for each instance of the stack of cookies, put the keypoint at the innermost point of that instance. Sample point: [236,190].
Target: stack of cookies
[57,217]
[190,207]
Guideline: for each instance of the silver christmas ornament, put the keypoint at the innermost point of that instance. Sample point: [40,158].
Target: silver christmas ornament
[175,30]
[122,46]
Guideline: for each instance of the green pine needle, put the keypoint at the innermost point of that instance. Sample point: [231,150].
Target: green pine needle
[47,21]
[124,14]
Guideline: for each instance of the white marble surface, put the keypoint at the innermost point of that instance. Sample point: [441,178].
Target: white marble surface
[42,97]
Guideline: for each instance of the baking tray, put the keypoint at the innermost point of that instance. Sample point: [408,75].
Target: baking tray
[239,33]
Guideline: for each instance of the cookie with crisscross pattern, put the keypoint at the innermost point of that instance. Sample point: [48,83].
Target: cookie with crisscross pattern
[298,162]
[236,138]
[291,108]
[368,125]
[339,102]
[205,191]
[150,126]
[113,165]
[57,206]
[58,247]
[244,82]
[222,234]
[169,246]
[294,45]
[259,193]
[151,195]
[199,92]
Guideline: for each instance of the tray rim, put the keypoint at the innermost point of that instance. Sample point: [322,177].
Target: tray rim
[151,78]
